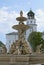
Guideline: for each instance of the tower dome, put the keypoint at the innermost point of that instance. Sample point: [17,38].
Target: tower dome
[30,14]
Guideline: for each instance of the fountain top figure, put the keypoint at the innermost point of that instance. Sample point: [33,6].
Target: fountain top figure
[21,18]
[21,13]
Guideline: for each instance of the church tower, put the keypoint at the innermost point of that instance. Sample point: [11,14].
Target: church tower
[31,21]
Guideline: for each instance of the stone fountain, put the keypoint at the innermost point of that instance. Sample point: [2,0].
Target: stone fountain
[21,46]
[20,53]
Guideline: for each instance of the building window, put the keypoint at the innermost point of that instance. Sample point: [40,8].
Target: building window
[30,30]
[31,21]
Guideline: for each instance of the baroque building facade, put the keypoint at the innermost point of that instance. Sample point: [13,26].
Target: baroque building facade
[31,22]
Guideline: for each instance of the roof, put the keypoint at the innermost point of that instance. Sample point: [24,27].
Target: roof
[12,33]
[30,12]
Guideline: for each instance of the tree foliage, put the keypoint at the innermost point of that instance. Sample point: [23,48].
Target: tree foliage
[35,38]
[1,44]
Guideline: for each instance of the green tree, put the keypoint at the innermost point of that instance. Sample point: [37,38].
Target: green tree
[35,38]
[1,44]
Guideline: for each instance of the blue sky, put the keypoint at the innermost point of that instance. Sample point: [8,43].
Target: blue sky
[9,10]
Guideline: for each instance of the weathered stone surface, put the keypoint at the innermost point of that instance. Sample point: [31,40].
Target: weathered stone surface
[10,59]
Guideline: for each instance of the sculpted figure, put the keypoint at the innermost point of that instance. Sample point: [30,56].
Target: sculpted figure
[38,48]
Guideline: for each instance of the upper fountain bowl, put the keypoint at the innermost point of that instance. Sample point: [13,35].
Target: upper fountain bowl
[21,18]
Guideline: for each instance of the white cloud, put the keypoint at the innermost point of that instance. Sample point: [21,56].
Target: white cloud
[5,8]
[29,3]
[40,19]
[7,19]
